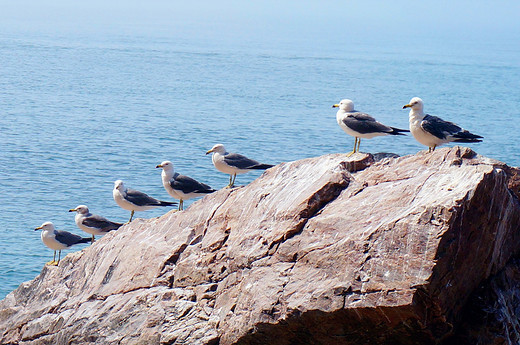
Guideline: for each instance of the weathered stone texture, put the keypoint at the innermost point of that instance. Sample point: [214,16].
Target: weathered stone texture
[329,250]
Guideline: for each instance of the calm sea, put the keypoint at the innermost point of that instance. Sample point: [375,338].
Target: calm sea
[79,112]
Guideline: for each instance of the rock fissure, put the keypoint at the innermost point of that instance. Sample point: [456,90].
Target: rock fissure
[317,202]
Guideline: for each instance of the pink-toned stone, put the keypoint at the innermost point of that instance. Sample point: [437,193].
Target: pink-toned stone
[326,250]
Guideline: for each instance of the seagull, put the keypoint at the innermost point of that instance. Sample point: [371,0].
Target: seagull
[233,163]
[92,223]
[58,240]
[433,131]
[134,200]
[361,125]
[180,186]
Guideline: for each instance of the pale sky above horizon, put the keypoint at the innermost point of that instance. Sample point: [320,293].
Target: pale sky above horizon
[334,20]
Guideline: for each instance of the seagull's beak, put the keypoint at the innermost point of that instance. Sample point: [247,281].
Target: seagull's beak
[159,166]
[407,106]
[209,151]
[335,105]
[72,210]
[38,228]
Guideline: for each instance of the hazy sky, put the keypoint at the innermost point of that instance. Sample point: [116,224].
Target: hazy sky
[315,20]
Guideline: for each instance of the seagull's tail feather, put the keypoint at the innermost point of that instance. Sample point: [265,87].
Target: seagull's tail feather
[398,131]
[206,191]
[85,240]
[167,203]
[466,137]
[114,226]
[261,166]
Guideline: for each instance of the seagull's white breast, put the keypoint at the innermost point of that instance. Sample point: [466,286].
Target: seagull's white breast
[166,184]
[49,239]
[120,200]
[420,134]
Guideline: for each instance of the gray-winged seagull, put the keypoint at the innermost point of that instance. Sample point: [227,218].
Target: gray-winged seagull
[361,125]
[58,240]
[233,163]
[92,223]
[433,131]
[180,186]
[134,200]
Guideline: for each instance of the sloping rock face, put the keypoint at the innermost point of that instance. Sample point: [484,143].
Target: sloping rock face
[331,250]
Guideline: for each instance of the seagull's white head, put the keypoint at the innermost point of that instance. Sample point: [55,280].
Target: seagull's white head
[46,226]
[166,165]
[345,105]
[81,209]
[119,185]
[218,148]
[415,103]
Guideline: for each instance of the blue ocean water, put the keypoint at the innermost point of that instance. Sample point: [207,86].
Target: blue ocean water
[79,112]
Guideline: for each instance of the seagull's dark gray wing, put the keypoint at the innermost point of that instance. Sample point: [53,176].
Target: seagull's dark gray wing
[141,199]
[365,124]
[98,222]
[438,127]
[70,239]
[238,161]
[187,185]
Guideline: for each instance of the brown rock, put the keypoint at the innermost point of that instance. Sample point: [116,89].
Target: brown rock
[327,250]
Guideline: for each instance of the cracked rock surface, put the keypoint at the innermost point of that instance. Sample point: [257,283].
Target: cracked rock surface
[325,250]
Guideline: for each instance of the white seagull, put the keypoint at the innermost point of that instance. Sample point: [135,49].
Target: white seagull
[58,240]
[134,200]
[233,163]
[433,131]
[180,186]
[361,125]
[92,223]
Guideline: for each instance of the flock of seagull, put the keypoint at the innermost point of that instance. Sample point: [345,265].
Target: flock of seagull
[428,130]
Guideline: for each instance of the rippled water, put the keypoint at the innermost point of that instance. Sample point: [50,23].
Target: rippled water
[78,113]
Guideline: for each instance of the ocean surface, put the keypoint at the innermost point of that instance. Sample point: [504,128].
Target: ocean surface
[78,112]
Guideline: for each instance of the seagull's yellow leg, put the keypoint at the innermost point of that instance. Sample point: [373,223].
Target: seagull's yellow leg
[181,205]
[232,180]
[434,146]
[358,144]
[131,216]
[354,150]
[93,239]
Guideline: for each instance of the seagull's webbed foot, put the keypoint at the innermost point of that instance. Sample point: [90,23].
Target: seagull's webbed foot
[52,263]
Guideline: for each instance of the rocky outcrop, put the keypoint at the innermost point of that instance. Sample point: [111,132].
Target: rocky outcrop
[331,250]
